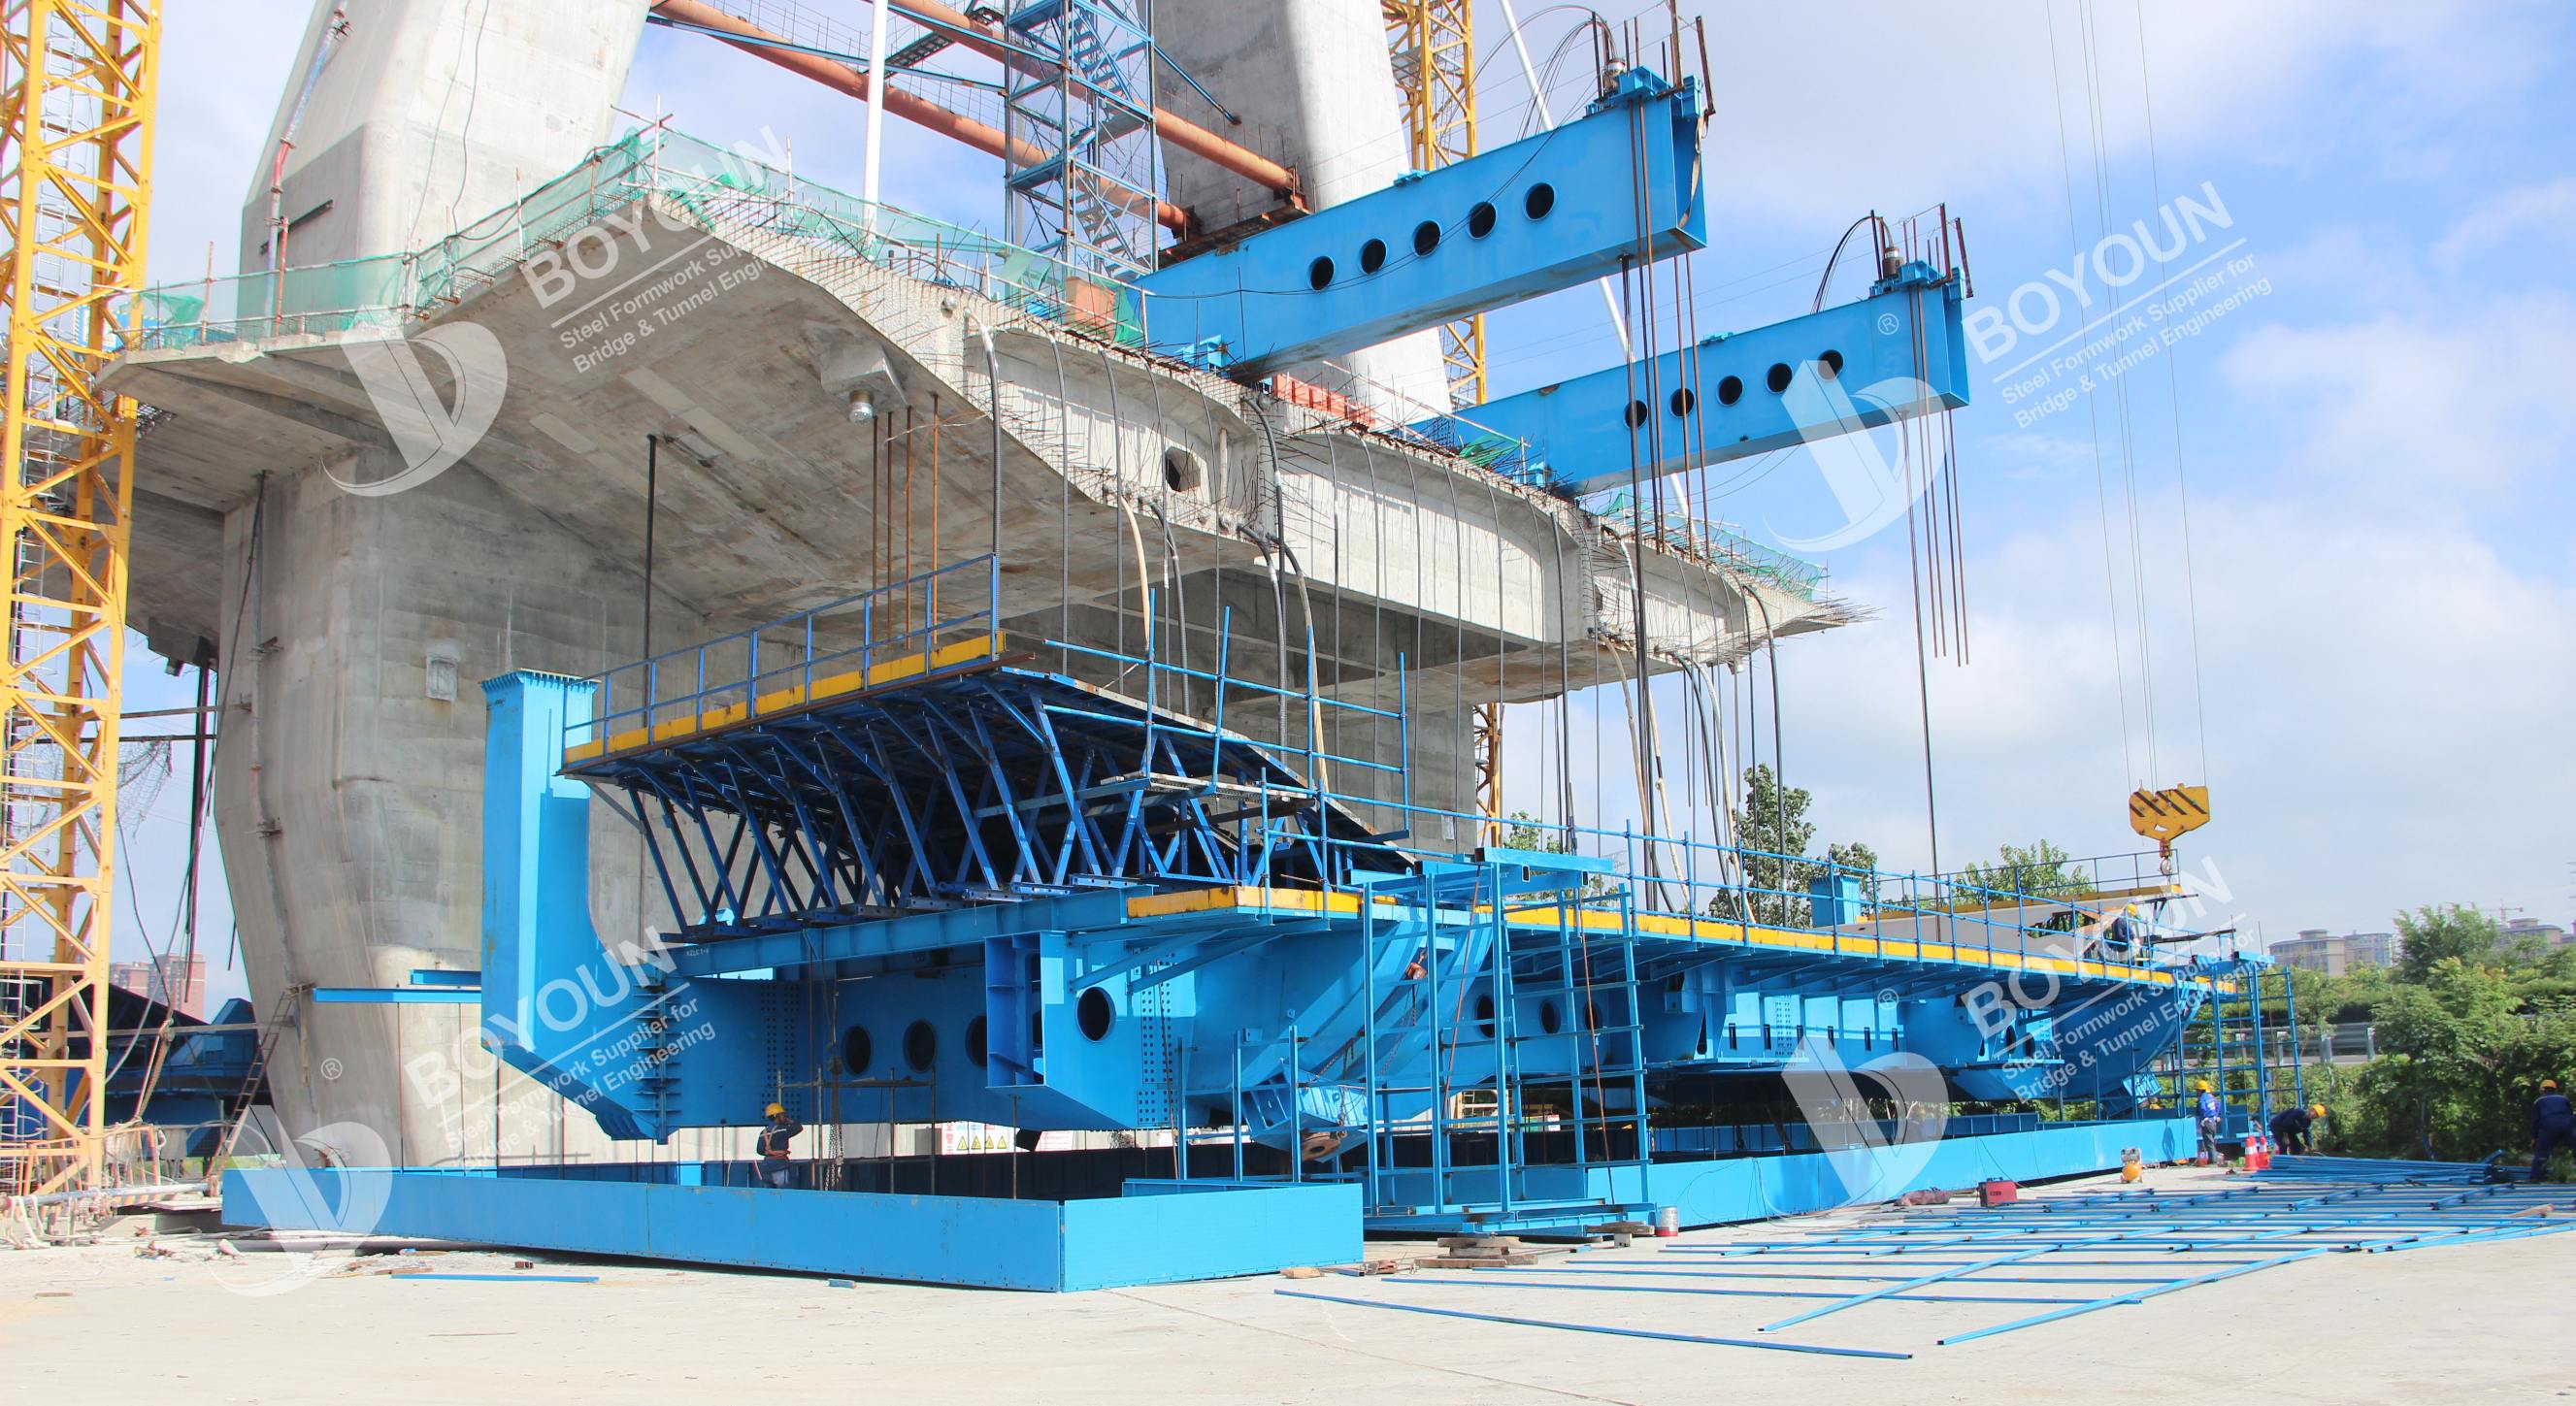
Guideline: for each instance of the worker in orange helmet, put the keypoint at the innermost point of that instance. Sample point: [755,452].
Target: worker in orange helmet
[775,1140]
[2553,1126]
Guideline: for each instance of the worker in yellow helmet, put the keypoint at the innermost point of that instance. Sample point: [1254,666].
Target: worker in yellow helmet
[2292,1126]
[2121,937]
[775,1139]
[2553,1126]
[2205,1112]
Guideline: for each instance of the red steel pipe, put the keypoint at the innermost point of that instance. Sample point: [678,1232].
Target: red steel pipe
[1173,128]
[982,136]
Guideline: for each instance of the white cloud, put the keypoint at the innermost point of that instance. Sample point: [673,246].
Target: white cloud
[1822,116]
[2545,213]
[2387,629]
[2384,696]
[2475,401]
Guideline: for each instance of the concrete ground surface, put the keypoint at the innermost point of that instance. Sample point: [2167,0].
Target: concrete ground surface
[103,1323]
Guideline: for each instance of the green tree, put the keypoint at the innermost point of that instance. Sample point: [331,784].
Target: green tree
[1855,855]
[1522,831]
[1772,829]
[1858,859]
[2462,1063]
[2041,870]
[2428,936]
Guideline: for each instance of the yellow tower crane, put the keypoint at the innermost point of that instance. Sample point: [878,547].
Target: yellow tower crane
[1433,43]
[78,81]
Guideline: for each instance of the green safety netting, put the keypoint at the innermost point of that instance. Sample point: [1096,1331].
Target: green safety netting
[699,183]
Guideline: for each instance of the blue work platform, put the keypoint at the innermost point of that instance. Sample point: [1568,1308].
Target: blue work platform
[1156,1232]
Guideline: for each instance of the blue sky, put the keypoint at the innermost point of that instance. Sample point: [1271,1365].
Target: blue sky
[2373,436]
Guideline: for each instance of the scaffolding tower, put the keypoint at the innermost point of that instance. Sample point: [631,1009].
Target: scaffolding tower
[2244,1042]
[1078,97]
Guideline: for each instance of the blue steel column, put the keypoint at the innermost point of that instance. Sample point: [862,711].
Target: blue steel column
[536,890]
[2218,1040]
[2262,1066]
[1374,1099]
[1489,886]
[2290,1013]
[1427,913]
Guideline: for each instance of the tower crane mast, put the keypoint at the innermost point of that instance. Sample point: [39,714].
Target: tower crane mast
[77,86]
[1433,43]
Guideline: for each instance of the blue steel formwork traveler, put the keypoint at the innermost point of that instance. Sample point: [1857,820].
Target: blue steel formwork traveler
[1128,918]
[930,864]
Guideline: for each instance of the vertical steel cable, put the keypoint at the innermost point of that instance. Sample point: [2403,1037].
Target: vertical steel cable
[2101,486]
[2173,391]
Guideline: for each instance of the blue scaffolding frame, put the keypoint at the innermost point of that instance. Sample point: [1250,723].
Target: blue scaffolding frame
[2232,1042]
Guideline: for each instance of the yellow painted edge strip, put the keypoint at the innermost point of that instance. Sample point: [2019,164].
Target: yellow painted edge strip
[1311,901]
[778,700]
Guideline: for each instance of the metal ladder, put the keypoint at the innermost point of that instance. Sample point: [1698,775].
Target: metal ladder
[1438,1040]
[255,1083]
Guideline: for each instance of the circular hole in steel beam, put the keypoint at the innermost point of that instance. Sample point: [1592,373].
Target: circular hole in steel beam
[1094,1014]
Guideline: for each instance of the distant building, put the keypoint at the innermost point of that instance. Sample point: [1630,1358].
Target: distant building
[2549,934]
[165,979]
[2317,950]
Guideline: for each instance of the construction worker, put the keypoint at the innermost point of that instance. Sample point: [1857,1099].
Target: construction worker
[2553,1126]
[2290,1127]
[2206,1112]
[2121,938]
[775,1169]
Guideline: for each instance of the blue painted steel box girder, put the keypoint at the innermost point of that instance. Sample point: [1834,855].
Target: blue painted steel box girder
[1551,211]
[1897,354]
[1622,185]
